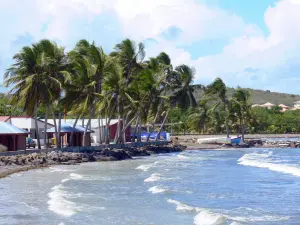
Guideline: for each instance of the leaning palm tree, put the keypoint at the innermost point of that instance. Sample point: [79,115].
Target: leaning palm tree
[200,116]
[33,84]
[241,100]
[219,90]
[181,91]
[82,90]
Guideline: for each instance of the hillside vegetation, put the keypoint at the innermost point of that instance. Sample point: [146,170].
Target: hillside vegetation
[258,96]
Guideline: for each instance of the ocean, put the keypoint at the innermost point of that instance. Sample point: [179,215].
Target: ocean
[232,187]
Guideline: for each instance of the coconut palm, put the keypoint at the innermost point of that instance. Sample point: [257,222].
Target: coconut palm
[181,91]
[33,82]
[242,106]
[219,90]
[82,90]
[199,116]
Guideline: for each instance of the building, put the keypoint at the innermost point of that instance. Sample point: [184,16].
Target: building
[284,107]
[27,123]
[12,137]
[268,105]
[297,104]
[95,124]
[65,134]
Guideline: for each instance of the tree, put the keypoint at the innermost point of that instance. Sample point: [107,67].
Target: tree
[199,116]
[34,85]
[218,89]
[242,107]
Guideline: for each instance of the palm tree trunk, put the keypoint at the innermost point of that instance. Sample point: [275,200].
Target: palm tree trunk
[102,131]
[36,127]
[152,127]
[243,128]
[119,119]
[86,128]
[226,122]
[135,129]
[108,131]
[162,125]
[72,133]
[127,125]
[58,132]
[99,130]
[45,127]
[54,123]
[139,138]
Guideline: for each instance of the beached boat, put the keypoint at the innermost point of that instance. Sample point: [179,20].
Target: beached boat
[236,140]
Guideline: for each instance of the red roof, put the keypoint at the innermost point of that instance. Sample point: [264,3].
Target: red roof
[4,118]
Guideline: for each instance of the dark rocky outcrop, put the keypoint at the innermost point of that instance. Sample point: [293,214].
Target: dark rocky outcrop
[71,158]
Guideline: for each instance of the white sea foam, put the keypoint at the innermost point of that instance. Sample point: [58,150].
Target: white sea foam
[157,190]
[60,169]
[65,180]
[154,177]
[183,157]
[59,204]
[262,161]
[144,167]
[206,217]
[75,176]
[183,207]
[269,218]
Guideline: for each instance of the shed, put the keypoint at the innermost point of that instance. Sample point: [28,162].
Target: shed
[12,137]
[78,132]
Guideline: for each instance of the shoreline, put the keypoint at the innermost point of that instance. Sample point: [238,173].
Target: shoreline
[20,163]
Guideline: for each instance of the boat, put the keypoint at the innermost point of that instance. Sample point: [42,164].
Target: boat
[236,140]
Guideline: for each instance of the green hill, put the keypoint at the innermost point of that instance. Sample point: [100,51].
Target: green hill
[258,96]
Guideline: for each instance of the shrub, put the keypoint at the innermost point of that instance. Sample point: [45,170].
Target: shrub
[3,148]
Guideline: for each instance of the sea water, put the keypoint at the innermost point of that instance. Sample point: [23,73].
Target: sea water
[253,186]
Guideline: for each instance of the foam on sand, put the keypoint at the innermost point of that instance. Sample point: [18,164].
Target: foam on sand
[206,217]
[262,161]
[59,204]
[154,177]
[157,190]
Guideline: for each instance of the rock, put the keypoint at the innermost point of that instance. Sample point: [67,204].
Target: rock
[85,159]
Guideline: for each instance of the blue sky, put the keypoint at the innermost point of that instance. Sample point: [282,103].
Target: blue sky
[251,43]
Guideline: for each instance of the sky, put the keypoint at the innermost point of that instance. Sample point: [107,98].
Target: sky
[248,43]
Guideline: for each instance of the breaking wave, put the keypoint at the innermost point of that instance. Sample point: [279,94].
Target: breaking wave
[154,177]
[157,190]
[263,161]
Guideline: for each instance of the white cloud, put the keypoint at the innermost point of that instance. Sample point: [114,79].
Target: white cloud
[273,58]
[249,59]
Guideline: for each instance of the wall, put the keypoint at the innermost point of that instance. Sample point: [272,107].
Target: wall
[80,149]
[21,142]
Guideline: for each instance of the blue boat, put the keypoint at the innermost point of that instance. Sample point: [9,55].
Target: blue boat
[236,140]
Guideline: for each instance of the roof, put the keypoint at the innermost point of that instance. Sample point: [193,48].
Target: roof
[284,106]
[268,104]
[7,128]
[68,128]
[94,122]
[4,118]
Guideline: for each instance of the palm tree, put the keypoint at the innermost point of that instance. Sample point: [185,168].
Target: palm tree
[82,90]
[241,99]
[219,90]
[181,91]
[33,83]
[199,116]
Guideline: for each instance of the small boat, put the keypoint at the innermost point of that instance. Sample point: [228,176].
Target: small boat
[236,140]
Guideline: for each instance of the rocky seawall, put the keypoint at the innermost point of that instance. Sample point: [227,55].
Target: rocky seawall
[17,163]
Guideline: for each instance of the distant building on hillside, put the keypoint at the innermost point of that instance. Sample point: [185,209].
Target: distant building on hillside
[284,107]
[297,104]
[268,105]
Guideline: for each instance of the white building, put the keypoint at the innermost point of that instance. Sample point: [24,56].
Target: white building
[28,123]
[93,126]
[297,104]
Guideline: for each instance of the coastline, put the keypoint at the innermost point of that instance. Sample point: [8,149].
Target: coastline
[20,163]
